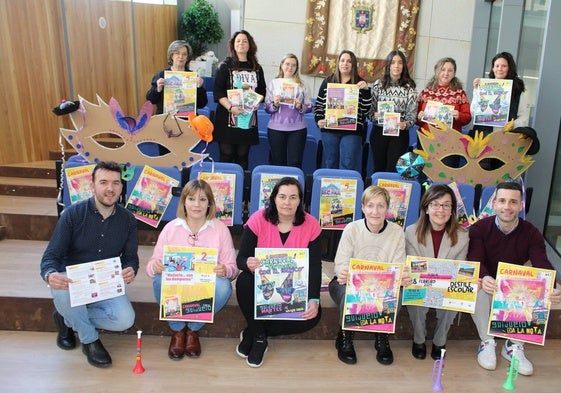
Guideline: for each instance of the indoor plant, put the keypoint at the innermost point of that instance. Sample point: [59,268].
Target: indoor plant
[201,27]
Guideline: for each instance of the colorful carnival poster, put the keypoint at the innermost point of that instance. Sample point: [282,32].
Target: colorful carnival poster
[461,211]
[520,308]
[400,193]
[372,295]
[268,182]
[391,124]
[188,284]
[79,180]
[223,187]
[180,92]
[281,283]
[435,110]
[287,90]
[337,202]
[442,283]
[151,195]
[493,102]
[383,107]
[341,110]
[95,281]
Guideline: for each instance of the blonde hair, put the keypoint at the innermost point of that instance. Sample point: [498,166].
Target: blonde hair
[374,191]
[296,75]
[191,189]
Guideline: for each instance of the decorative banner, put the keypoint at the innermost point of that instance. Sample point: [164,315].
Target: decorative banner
[341,110]
[371,29]
[435,110]
[188,284]
[371,296]
[151,196]
[520,309]
[281,283]
[337,203]
[79,181]
[493,102]
[180,92]
[95,281]
[400,193]
[442,283]
[223,187]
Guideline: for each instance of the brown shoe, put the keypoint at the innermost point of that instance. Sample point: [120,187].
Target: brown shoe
[177,345]
[192,343]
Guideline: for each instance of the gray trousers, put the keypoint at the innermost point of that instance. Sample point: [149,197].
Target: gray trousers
[481,315]
[444,319]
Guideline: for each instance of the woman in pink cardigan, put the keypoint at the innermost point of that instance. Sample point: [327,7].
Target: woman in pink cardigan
[195,226]
[283,224]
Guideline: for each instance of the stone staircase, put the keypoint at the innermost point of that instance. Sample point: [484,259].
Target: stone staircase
[28,215]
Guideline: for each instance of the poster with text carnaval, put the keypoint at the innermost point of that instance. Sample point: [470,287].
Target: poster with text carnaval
[341,107]
[79,181]
[151,196]
[520,308]
[337,202]
[400,193]
[180,92]
[188,284]
[493,102]
[223,187]
[371,296]
[281,283]
[442,283]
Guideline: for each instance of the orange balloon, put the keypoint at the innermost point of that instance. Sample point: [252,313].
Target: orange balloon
[202,125]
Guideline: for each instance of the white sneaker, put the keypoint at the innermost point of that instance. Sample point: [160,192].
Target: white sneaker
[486,356]
[516,349]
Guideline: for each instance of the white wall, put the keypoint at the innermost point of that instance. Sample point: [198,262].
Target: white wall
[444,29]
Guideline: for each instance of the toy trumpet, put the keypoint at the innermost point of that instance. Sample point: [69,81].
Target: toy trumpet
[437,372]
[138,368]
[512,373]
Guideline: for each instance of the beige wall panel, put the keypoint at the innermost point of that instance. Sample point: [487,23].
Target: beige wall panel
[32,76]
[155,28]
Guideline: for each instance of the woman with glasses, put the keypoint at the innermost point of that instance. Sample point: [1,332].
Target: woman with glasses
[283,224]
[195,226]
[179,55]
[437,234]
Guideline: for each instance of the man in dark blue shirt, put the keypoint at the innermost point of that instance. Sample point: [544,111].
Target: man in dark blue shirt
[88,231]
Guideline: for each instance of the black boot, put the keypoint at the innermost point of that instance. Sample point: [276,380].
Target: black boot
[345,348]
[382,345]
[97,354]
[65,338]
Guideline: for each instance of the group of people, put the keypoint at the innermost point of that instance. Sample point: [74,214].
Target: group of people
[101,228]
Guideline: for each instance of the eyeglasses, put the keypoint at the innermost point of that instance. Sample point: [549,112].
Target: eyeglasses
[437,206]
[169,131]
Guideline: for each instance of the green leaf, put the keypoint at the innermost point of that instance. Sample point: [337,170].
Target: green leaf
[201,27]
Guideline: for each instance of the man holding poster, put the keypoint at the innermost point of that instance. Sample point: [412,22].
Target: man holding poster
[92,230]
[504,237]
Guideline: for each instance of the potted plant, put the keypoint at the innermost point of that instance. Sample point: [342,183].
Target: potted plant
[201,27]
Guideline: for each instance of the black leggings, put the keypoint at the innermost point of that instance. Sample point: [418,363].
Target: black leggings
[236,153]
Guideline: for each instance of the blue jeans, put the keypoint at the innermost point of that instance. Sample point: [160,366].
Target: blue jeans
[287,147]
[222,293]
[342,151]
[114,314]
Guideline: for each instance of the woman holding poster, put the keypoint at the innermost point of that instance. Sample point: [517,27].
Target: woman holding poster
[287,100]
[342,147]
[437,234]
[195,226]
[283,224]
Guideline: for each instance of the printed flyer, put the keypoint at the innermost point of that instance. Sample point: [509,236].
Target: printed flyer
[435,110]
[337,202]
[520,309]
[151,195]
[493,102]
[281,283]
[341,110]
[391,124]
[400,193]
[188,283]
[372,296]
[383,107]
[223,187]
[180,92]
[442,283]
[79,180]
[287,90]
[95,281]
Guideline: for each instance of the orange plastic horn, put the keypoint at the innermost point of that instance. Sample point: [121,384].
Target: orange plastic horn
[202,125]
